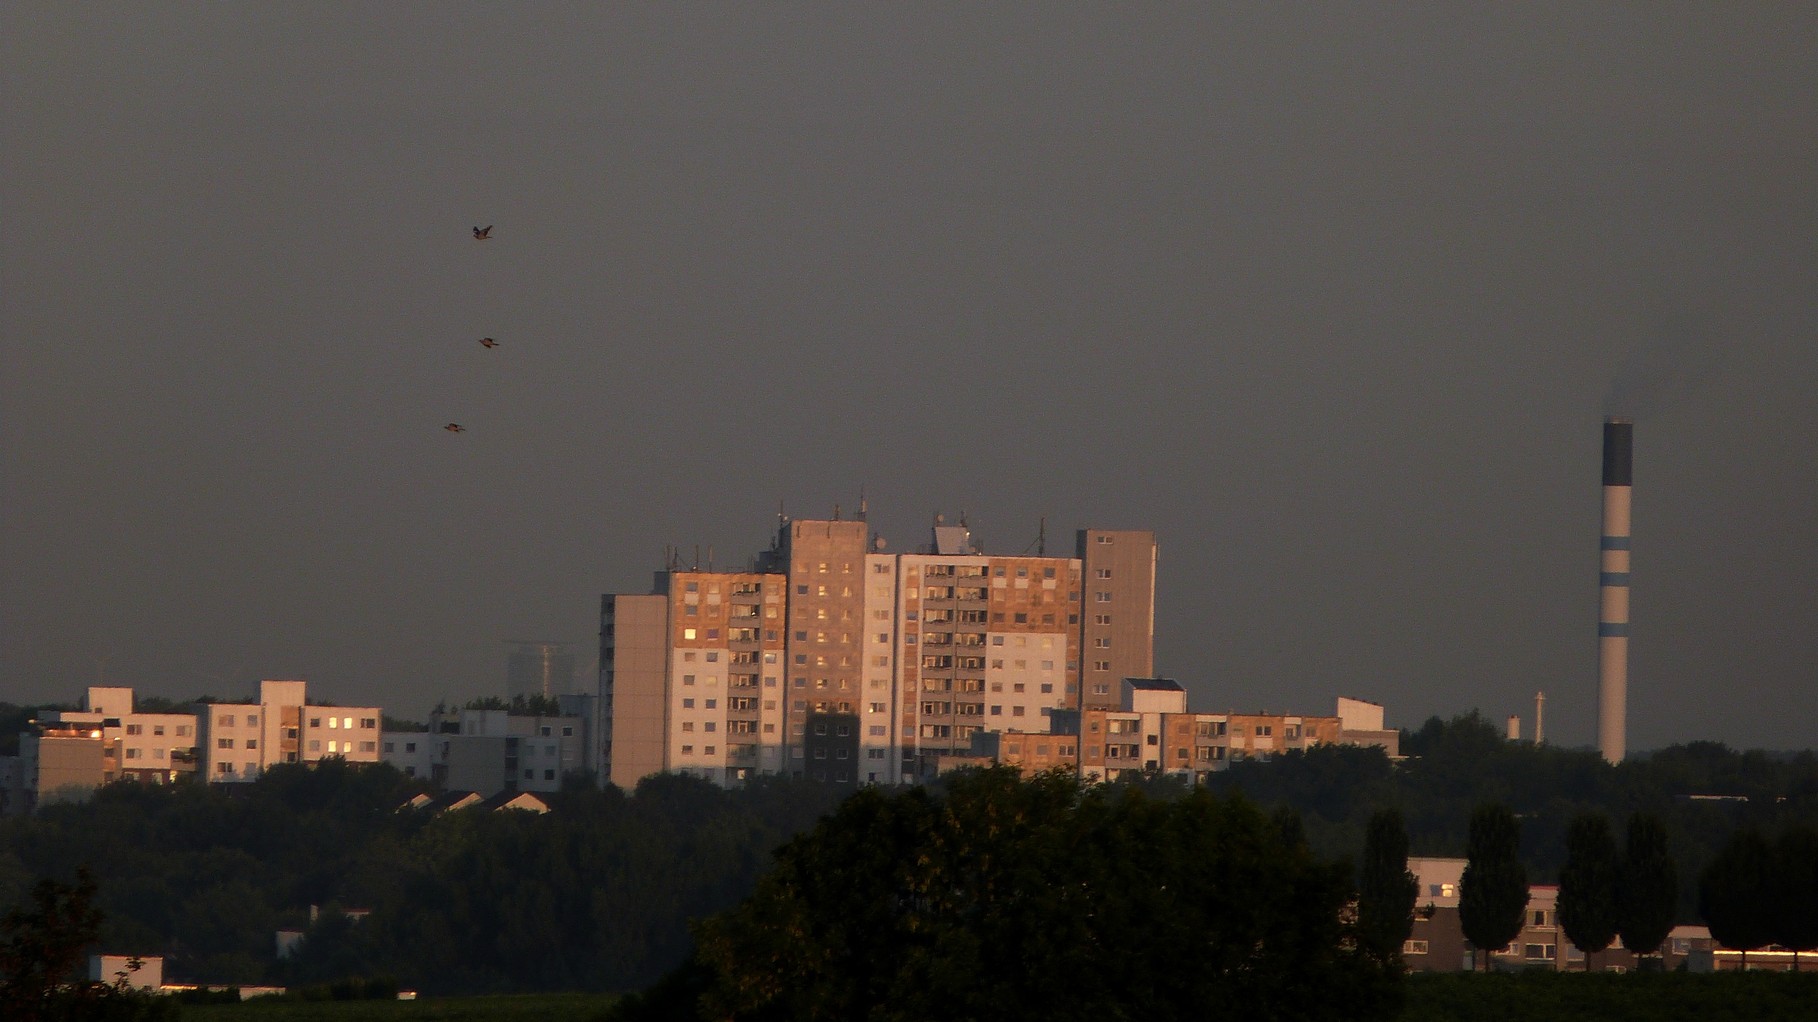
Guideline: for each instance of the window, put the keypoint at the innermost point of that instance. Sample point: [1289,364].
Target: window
[227,720]
[224,743]
[688,704]
[1102,642]
[135,729]
[1102,597]
[688,634]
[334,722]
[252,743]
[367,746]
[1413,947]
[1103,573]
[1101,665]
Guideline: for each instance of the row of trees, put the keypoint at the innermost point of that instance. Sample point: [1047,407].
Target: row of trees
[598,894]
[1605,894]
[1758,892]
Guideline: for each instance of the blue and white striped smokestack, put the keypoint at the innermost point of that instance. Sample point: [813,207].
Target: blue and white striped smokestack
[1613,587]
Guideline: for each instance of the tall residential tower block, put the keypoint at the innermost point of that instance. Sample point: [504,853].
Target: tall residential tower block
[833,659]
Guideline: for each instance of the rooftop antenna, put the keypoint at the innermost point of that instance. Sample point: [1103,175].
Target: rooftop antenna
[863,507]
[836,512]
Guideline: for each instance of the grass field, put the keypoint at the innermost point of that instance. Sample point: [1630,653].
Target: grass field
[1532,997]
[513,1008]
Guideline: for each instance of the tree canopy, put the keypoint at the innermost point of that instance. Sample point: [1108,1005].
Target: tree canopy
[1001,898]
[1386,891]
[1587,885]
[1648,889]
[1493,893]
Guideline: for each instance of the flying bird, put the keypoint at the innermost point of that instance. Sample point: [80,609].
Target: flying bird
[487,342]
[455,427]
[482,233]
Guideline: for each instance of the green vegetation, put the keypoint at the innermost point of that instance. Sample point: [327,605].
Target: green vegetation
[1004,898]
[43,951]
[1386,891]
[492,1008]
[1647,887]
[599,894]
[1610,997]
[1587,883]
[1493,894]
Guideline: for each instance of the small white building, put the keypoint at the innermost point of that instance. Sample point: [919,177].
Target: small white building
[139,973]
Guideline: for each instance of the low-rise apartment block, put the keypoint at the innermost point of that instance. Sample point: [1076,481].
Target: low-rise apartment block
[1154,732]
[489,751]
[66,754]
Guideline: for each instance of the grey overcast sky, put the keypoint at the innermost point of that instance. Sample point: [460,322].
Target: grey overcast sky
[1333,297]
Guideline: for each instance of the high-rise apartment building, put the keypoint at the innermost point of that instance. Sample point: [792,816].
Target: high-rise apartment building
[634,683]
[1117,613]
[835,660]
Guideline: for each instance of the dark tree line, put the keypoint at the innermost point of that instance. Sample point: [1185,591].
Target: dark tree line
[593,896]
[1003,898]
[1604,894]
[598,894]
[1758,892]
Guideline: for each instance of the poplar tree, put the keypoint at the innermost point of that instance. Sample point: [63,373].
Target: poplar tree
[1735,893]
[1493,893]
[1588,885]
[1649,889]
[1795,916]
[1386,890]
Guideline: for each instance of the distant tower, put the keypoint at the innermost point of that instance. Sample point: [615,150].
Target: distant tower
[1540,718]
[1613,584]
[535,668]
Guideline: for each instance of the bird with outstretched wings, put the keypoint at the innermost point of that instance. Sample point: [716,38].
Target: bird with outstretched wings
[482,233]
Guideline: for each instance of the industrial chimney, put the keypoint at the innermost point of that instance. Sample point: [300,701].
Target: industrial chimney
[1613,587]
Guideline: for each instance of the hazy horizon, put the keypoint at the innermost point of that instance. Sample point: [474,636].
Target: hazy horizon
[1333,300]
